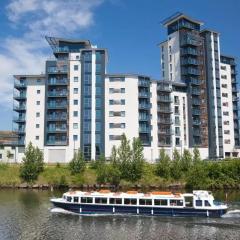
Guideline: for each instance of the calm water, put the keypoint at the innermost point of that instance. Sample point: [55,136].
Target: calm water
[25,214]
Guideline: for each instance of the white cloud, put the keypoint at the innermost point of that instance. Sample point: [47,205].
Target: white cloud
[35,19]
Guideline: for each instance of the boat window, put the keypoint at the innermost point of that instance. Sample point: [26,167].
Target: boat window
[64,197]
[86,200]
[162,202]
[206,203]
[115,201]
[199,203]
[130,201]
[174,202]
[101,200]
[75,199]
[69,199]
[145,201]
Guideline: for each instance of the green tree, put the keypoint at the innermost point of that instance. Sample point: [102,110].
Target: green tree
[78,163]
[102,170]
[137,162]
[32,164]
[124,157]
[163,165]
[114,173]
[196,156]
[186,160]
[176,172]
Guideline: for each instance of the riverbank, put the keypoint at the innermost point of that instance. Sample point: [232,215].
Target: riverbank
[59,176]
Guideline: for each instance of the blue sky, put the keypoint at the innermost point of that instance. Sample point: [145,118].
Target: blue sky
[129,29]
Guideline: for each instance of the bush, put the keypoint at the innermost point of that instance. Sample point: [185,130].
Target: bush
[32,165]
[78,164]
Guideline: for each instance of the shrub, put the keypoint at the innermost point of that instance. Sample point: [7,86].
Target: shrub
[78,164]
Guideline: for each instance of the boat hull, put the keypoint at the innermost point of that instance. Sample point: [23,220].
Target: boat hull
[136,210]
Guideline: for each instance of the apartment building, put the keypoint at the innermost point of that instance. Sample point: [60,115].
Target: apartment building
[76,104]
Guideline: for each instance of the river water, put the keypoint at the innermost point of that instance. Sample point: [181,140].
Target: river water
[27,215]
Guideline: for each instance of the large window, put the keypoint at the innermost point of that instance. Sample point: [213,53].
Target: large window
[86,200]
[75,199]
[101,200]
[130,201]
[145,201]
[174,202]
[160,202]
[115,201]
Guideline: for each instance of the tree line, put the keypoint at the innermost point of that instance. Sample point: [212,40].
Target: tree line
[127,163]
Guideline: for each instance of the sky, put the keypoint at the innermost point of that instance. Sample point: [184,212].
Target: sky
[129,29]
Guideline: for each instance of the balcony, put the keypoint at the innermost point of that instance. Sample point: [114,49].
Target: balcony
[167,121]
[177,134]
[190,61]
[57,142]
[61,50]
[57,105]
[196,122]
[20,130]
[55,70]
[21,142]
[19,107]
[143,83]
[58,94]
[196,102]
[144,118]
[144,106]
[189,40]
[196,133]
[164,109]
[164,99]
[19,96]
[190,71]
[54,81]
[143,94]
[165,131]
[18,84]
[196,112]
[56,129]
[164,88]
[189,51]
[57,117]
[195,81]
[196,92]
[19,119]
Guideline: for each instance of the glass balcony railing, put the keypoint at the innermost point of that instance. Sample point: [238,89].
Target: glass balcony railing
[189,51]
[19,107]
[57,105]
[57,117]
[56,142]
[196,122]
[196,101]
[144,106]
[18,84]
[57,129]
[164,88]
[195,81]
[196,112]
[165,109]
[164,99]
[143,83]
[57,94]
[57,70]
[19,130]
[144,129]
[165,131]
[165,120]
[190,61]
[144,94]
[19,118]
[54,81]
[144,118]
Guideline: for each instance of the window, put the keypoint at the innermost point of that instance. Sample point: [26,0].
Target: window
[38,91]
[98,138]
[207,204]
[98,114]
[117,79]
[37,125]
[176,110]
[75,113]
[177,141]
[226,132]
[98,126]
[0,155]
[163,74]
[177,120]
[174,202]
[86,200]
[115,201]
[170,76]
[170,49]
[225,113]
[87,90]
[227,141]
[225,104]
[224,85]
[77,57]
[198,203]
[162,202]
[170,58]
[87,138]
[226,122]
[117,114]
[75,125]
[224,94]
[38,80]
[98,102]
[115,137]
[145,201]
[69,199]
[98,90]
[75,199]
[176,100]
[38,102]
[101,200]
[75,137]
[38,114]
[170,67]
[130,201]
[116,125]
[75,102]
[75,67]
[37,137]
[75,79]
[223,68]
[224,76]
[75,90]
[87,102]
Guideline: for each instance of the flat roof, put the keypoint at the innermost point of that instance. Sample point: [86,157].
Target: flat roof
[29,76]
[176,16]
[126,75]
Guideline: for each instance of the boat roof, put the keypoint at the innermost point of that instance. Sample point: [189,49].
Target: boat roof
[130,194]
